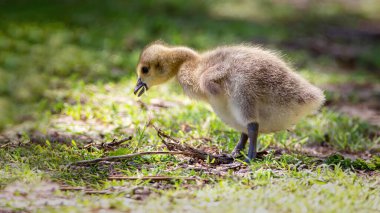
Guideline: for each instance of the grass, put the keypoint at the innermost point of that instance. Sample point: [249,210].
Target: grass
[67,73]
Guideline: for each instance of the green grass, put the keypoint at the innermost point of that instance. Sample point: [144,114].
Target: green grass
[109,110]
[67,70]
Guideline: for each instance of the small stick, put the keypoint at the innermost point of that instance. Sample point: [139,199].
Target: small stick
[5,145]
[116,143]
[87,191]
[71,188]
[154,178]
[175,145]
[91,192]
[108,145]
[123,157]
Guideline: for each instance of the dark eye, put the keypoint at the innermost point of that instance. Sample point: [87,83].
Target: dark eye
[145,70]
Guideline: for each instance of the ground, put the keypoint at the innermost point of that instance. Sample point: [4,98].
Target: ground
[67,73]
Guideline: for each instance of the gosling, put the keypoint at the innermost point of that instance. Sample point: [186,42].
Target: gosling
[251,89]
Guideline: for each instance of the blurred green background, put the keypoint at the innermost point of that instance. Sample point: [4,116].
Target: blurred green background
[50,45]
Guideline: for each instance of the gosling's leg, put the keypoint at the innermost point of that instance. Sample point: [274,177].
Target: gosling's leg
[240,145]
[253,130]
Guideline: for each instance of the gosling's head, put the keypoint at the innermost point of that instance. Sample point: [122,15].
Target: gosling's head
[155,67]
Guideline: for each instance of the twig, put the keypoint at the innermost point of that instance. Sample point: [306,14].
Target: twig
[137,192]
[123,157]
[109,145]
[220,170]
[5,141]
[71,188]
[175,145]
[102,192]
[155,178]
[87,191]
[5,145]
[116,143]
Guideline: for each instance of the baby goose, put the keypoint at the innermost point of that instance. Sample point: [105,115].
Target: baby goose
[246,86]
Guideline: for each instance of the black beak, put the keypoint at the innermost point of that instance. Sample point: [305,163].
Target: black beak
[140,88]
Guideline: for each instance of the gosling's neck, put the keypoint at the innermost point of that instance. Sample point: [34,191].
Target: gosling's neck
[181,55]
[186,62]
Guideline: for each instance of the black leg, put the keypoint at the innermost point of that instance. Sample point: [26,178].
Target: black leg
[253,130]
[240,145]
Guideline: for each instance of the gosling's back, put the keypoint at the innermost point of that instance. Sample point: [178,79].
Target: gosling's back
[245,84]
